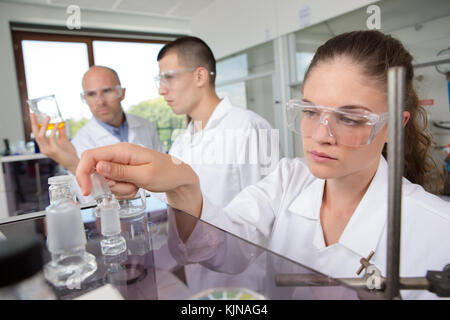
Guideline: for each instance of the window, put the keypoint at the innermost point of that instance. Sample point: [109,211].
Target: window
[246,79]
[54,64]
[53,67]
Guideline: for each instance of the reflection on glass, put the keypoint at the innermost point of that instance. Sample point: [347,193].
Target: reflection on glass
[232,68]
[255,95]
[155,274]
[261,58]
[135,233]
[134,207]
[260,98]
[255,60]
[303,59]
[235,92]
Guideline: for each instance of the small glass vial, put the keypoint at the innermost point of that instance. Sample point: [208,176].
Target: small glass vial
[113,243]
[61,187]
[108,211]
[70,264]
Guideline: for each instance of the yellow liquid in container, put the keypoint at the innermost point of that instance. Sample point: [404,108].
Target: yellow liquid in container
[50,126]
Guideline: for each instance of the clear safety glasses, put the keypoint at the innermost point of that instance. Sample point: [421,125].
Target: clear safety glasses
[166,78]
[349,126]
[107,93]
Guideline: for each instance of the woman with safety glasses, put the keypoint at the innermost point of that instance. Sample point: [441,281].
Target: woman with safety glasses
[329,209]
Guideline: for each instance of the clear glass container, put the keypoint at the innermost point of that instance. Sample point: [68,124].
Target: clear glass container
[108,211]
[134,207]
[113,243]
[61,187]
[66,240]
[47,106]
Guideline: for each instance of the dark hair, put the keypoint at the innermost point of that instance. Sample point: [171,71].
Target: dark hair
[192,52]
[376,52]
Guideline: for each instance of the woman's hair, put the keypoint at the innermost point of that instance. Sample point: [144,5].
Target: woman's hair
[376,52]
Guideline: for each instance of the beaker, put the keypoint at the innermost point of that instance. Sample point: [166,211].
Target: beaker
[47,106]
[134,207]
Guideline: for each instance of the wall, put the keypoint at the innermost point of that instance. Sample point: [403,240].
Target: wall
[229,26]
[11,125]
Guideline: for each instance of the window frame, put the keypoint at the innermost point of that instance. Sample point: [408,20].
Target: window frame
[18,36]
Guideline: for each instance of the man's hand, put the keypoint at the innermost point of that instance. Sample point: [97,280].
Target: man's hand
[131,166]
[61,150]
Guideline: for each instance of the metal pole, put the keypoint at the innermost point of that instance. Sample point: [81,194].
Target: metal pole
[396,98]
[312,280]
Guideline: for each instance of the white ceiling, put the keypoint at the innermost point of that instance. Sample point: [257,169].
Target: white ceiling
[422,22]
[184,9]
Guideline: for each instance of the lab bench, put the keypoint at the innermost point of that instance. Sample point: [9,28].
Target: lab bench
[151,269]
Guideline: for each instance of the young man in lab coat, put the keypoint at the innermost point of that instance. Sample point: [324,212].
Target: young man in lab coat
[103,93]
[225,145]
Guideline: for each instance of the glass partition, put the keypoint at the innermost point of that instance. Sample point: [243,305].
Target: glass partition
[155,265]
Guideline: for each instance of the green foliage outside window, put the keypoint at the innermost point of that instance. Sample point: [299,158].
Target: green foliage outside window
[158,112]
[76,125]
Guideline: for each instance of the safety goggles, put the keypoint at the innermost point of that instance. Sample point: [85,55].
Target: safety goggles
[167,78]
[349,126]
[107,93]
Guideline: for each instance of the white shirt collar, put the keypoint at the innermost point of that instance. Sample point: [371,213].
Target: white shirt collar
[367,223]
[219,112]
[217,115]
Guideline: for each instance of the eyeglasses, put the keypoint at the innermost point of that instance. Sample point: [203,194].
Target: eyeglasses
[166,78]
[108,93]
[349,126]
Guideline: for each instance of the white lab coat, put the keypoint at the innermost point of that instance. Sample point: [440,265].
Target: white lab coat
[225,157]
[93,135]
[140,132]
[224,154]
[282,213]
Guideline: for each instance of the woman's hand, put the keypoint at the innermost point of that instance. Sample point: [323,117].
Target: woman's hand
[61,150]
[131,166]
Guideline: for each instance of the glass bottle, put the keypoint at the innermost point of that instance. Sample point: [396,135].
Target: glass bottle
[66,240]
[135,207]
[108,211]
[61,187]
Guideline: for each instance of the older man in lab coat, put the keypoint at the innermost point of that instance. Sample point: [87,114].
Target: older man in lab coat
[110,124]
[103,93]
